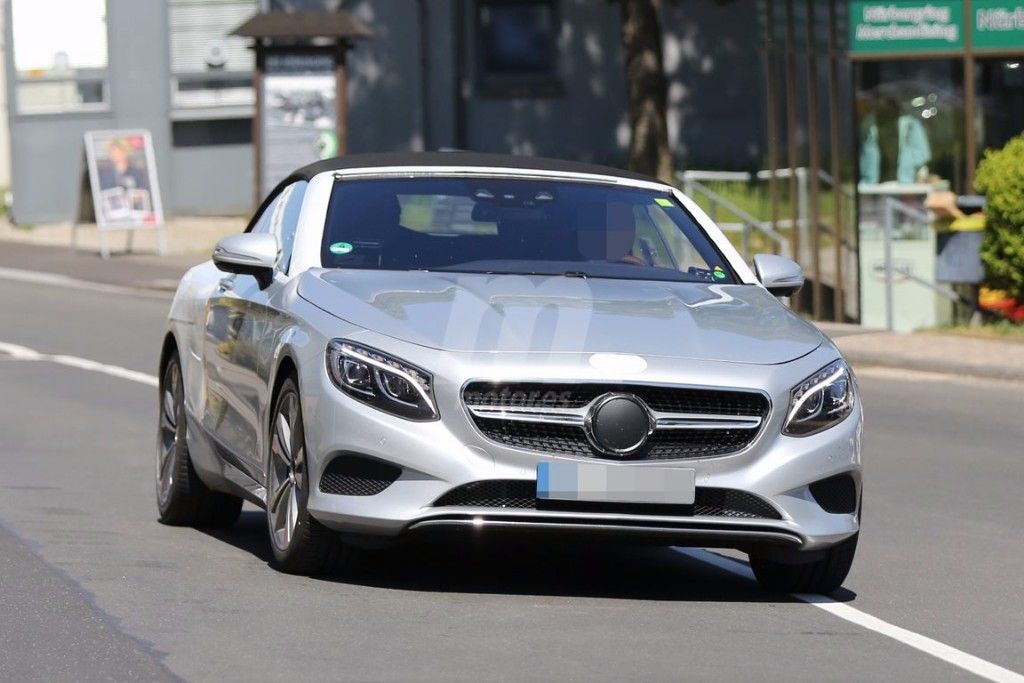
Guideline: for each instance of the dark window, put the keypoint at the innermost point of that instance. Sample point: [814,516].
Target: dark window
[532,227]
[517,46]
[1000,92]
[212,132]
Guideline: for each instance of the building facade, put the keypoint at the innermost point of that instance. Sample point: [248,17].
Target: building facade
[540,77]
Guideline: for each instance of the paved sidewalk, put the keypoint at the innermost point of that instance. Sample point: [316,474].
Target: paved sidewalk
[142,271]
[933,352]
[47,249]
[929,352]
[185,235]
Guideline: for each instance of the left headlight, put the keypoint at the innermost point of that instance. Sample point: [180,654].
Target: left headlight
[382,381]
[820,401]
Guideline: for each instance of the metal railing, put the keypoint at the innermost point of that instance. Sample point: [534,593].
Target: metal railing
[693,186]
[893,210]
[695,183]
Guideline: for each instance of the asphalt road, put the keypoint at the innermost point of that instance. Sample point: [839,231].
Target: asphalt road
[93,588]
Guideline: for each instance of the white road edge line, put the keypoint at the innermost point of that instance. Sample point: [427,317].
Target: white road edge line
[37,277]
[947,653]
[25,353]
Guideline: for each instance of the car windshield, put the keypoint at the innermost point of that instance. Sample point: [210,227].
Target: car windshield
[530,227]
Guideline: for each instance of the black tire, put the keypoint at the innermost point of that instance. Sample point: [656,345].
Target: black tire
[820,576]
[309,548]
[182,499]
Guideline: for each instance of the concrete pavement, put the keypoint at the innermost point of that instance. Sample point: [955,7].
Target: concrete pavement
[931,352]
[928,351]
[185,235]
[60,634]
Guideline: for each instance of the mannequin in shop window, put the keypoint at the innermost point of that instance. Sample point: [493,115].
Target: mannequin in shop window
[915,151]
[870,152]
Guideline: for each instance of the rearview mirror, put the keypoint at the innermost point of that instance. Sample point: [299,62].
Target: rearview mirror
[779,275]
[252,253]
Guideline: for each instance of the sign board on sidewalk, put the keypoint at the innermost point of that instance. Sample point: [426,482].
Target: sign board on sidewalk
[125,194]
[928,26]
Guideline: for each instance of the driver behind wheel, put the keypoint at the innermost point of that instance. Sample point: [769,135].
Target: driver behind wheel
[607,232]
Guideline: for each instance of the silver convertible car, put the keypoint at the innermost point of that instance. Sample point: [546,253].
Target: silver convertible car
[408,343]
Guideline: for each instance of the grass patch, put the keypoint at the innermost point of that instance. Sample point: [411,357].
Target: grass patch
[1003,330]
[754,199]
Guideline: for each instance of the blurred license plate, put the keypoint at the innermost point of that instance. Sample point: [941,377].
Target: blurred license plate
[614,483]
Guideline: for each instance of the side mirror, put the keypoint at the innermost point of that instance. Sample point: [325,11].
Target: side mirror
[252,253]
[779,275]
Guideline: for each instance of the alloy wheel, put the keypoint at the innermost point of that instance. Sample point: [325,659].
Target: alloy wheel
[170,418]
[285,473]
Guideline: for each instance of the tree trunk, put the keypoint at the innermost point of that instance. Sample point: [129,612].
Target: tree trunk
[647,89]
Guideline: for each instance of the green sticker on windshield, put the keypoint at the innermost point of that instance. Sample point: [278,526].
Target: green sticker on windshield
[718,273]
[661,201]
[340,248]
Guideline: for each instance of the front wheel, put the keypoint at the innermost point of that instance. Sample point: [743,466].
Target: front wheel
[182,499]
[301,545]
[822,576]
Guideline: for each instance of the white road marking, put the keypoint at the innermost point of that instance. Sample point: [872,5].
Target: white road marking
[36,277]
[947,653]
[24,353]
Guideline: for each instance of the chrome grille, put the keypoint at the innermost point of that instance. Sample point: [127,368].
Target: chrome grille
[549,417]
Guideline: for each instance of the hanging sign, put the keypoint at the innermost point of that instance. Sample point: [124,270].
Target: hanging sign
[906,27]
[998,25]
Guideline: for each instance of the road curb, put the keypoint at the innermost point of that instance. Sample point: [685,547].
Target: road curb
[953,368]
[169,286]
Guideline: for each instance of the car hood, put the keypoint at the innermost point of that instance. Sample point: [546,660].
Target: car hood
[547,314]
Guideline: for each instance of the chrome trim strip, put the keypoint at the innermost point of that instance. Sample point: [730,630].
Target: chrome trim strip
[704,421]
[546,415]
[495,173]
[694,532]
[576,417]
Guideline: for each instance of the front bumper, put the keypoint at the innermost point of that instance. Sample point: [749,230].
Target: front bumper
[436,457]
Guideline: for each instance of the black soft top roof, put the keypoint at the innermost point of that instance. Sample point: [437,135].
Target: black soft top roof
[469,159]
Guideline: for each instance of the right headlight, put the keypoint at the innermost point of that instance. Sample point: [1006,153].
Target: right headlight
[382,381]
[820,401]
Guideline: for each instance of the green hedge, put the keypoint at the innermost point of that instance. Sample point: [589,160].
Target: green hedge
[1001,179]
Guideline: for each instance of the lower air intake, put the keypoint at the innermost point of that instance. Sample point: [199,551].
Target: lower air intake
[837,494]
[521,494]
[354,475]
[495,493]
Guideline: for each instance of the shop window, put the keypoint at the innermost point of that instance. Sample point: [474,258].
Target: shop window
[910,120]
[60,64]
[211,72]
[1000,98]
[517,47]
